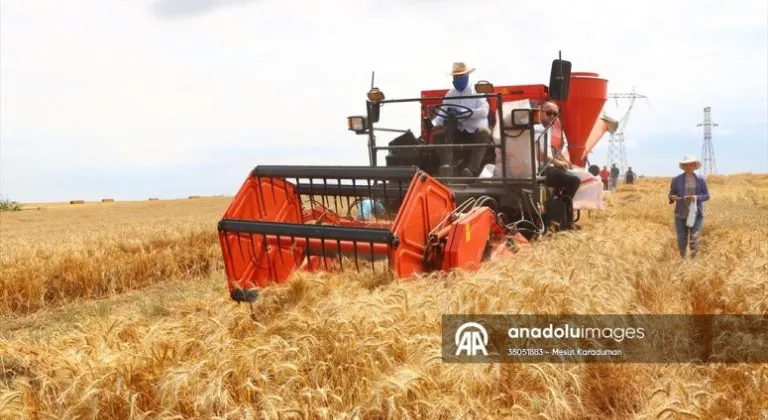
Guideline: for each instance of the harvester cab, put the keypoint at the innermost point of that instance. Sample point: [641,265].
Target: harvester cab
[518,185]
[411,215]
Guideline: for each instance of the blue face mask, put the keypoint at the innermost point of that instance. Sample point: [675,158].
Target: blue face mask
[461,82]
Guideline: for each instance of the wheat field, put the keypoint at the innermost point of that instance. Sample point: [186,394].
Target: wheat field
[119,310]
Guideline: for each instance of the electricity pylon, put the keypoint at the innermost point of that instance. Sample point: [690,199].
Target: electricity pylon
[617,152]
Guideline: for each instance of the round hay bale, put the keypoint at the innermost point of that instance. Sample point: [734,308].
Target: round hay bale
[107,200]
[153,199]
[77,202]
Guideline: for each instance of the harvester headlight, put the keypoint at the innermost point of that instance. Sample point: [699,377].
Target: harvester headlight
[484,87]
[522,117]
[375,95]
[356,124]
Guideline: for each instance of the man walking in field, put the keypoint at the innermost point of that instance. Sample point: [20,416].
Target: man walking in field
[630,176]
[614,177]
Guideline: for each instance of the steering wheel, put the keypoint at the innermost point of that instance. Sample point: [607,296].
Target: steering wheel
[464,113]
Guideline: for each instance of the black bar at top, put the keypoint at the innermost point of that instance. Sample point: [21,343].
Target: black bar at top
[336,172]
[341,233]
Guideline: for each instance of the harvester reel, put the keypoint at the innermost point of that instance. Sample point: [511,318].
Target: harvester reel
[464,113]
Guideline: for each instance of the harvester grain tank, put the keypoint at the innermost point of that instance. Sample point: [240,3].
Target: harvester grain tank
[587,96]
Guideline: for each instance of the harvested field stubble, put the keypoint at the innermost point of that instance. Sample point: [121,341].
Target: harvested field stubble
[325,346]
[55,256]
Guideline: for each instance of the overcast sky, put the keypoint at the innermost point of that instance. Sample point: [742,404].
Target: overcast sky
[169,98]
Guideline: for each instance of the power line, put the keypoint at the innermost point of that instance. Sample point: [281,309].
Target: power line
[707,151]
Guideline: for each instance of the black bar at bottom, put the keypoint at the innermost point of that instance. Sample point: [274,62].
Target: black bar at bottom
[341,233]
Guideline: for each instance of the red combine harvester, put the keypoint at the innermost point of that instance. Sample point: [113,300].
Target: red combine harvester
[422,217]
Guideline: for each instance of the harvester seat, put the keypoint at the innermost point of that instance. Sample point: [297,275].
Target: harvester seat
[403,157]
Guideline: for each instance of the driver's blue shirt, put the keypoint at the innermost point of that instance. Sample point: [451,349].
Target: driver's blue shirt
[479,118]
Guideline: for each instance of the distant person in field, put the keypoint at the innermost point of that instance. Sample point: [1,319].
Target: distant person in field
[630,176]
[604,175]
[688,191]
[614,177]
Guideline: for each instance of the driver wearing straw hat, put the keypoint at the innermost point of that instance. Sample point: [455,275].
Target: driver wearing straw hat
[472,130]
[688,191]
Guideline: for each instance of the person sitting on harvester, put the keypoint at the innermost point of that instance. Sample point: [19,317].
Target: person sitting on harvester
[471,130]
[557,172]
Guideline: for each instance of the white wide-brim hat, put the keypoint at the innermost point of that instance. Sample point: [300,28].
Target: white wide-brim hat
[458,68]
[690,159]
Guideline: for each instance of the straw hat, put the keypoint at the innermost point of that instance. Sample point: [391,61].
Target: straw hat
[460,68]
[690,159]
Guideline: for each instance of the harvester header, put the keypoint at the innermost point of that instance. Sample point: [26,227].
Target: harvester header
[313,222]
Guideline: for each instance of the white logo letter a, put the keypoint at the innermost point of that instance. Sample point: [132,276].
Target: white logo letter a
[471,342]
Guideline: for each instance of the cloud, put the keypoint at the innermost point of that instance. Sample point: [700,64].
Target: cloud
[170,9]
[228,84]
